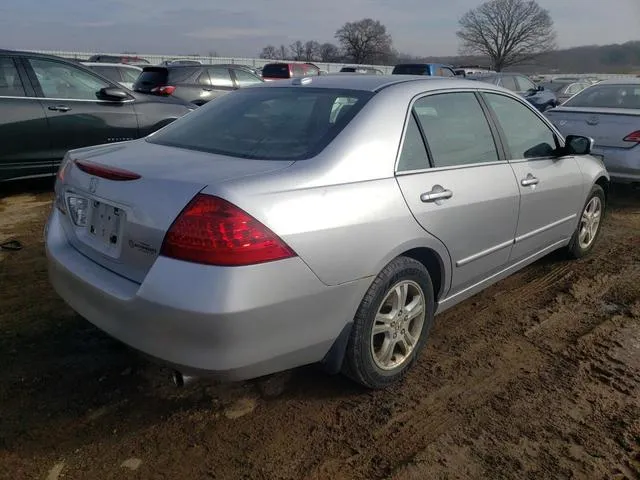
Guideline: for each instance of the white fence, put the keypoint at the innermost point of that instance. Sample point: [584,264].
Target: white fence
[252,62]
[259,62]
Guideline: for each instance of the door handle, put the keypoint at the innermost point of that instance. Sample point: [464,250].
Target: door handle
[437,193]
[529,181]
[59,108]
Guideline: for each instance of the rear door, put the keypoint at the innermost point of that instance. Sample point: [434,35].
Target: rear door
[552,189]
[215,81]
[24,132]
[76,117]
[242,78]
[458,185]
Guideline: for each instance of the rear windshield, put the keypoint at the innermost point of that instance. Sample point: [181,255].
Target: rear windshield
[152,77]
[291,123]
[410,70]
[276,70]
[607,96]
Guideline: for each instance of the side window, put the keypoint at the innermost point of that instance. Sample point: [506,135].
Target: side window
[311,70]
[509,83]
[245,78]
[456,129]
[129,74]
[445,72]
[220,77]
[10,83]
[526,84]
[527,136]
[298,71]
[414,154]
[58,80]
[204,79]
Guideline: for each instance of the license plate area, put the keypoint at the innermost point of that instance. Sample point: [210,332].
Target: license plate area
[105,226]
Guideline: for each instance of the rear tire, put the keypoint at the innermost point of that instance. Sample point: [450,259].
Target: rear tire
[588,230]
[400,306]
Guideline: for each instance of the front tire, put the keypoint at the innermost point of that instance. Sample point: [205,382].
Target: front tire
[391,325]
[589,225]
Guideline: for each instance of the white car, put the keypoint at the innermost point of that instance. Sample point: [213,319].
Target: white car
[125,75]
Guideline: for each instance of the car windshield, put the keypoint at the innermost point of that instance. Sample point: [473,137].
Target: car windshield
[289,123]
[607,96]
[554,87]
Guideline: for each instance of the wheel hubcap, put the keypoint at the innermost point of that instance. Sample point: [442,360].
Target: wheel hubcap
[398,325]
[590,222]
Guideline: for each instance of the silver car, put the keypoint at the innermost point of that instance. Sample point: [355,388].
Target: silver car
[323,219]
[609,112]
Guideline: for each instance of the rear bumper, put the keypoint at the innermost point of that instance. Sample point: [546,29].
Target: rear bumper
[231,323]
[623,164]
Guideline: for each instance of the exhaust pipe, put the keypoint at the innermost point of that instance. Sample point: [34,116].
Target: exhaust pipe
[180,380]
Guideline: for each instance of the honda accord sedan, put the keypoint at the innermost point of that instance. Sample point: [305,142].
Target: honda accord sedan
[316,220]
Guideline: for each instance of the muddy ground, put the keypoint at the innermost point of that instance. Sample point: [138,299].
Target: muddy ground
[537,377]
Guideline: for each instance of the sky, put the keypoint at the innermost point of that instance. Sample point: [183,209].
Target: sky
[242,27]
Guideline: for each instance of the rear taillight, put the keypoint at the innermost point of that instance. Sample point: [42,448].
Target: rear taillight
[165,90]
[212,231]
[104,171]
[633,137]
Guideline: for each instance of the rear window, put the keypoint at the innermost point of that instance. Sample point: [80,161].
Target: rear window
[152,77]
[266,123]
[276,70]
[410,70]
[607,96]
[111,73]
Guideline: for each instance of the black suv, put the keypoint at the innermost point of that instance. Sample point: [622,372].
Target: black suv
[196,84]
[49,105]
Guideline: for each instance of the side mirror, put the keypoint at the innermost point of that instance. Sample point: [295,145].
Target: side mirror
[112,93]
[577,145]
[540,88]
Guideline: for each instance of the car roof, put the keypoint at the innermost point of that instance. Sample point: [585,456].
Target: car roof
[119,65]
[374,83]
[621,81]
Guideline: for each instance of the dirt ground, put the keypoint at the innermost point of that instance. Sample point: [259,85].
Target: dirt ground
[537,377]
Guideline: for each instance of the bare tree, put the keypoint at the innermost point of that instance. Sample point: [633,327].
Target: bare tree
[297,50]
[270,52]
[328,52]
[365,41]
[311,50]
[509,32]
[283,53]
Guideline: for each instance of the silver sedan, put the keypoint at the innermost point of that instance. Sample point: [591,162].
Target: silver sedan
[323,219]
[609,112]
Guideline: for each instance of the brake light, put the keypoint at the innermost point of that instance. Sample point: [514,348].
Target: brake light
[165,90]
[212,231]
[103,171]
[633,137]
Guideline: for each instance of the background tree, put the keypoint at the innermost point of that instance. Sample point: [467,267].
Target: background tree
[365,41]
[509,32]
[283,53]
[297,50]
[328,52]
[270,52]
[311,50]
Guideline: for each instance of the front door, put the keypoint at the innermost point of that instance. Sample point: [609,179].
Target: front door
[457,185]
[24,132]
[77,118]
[551,188]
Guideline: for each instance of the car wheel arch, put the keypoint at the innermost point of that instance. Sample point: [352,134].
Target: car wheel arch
[605,184]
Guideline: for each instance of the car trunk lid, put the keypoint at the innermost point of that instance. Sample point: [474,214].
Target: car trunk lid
[121,199]
[607,126]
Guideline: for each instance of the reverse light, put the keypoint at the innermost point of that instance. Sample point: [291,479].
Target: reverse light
[165,90]
[212,231]
[78,208]
[633,137]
